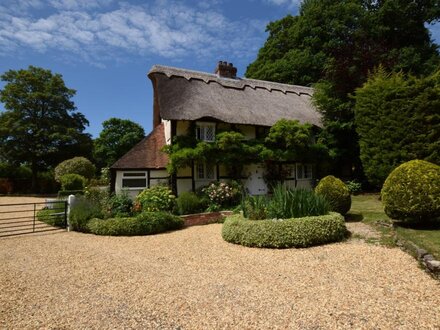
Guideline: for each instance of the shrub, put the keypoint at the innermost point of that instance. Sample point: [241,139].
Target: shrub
[336,193]
[146,223]
[72,182]
[287,203]
[77,165]
[354,187]
[98,196]
[156,198]
[222,193]
[54,216]
[412,192]
[298,232]
[119,205]
[82,211]
[189,203]
[255,207]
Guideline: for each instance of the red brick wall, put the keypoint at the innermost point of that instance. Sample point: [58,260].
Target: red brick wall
[204,218]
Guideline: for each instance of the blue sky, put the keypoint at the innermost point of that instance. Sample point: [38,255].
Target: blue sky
[104,48]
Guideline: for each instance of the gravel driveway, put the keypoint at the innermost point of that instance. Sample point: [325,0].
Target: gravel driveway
[192,279]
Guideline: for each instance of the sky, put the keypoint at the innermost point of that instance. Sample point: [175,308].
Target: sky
[105,48]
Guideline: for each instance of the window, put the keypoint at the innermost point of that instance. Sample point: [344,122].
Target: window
[303,171]
[134,180]
[205,171]
[205,132]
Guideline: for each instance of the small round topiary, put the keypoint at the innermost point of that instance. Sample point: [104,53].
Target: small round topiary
[336,193]
[77,165]
[72,182]
[412,192]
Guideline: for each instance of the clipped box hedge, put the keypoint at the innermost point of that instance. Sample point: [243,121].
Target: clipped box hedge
[297,232]
[146,223]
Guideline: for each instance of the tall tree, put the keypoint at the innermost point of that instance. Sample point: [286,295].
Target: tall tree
[334,44]
[398,119]
[40,126]
[116,138]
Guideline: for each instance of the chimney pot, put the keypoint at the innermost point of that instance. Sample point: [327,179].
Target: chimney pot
[225,70]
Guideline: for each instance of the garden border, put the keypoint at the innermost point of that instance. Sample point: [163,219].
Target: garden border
[431,265]
[205,218]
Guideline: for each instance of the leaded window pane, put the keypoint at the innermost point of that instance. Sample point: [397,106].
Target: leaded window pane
[210,172]
[200,171]
[209,133]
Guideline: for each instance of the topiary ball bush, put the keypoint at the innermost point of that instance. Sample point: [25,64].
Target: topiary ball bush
[411,192]
[72,182]
[295,232]
[77,165]
[335,192]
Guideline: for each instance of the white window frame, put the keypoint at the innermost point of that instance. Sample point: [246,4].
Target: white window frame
[201,130]
[302,169]
[130,175]
[204,167]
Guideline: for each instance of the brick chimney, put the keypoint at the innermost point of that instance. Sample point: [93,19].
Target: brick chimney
[225,70]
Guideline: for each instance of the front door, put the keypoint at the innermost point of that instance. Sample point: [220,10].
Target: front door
[255,184]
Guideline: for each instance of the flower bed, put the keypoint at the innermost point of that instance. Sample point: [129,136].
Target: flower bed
[296,232]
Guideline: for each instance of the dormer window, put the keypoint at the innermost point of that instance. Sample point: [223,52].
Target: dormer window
[205,132]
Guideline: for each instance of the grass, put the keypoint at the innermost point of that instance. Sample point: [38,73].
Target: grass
[368,209]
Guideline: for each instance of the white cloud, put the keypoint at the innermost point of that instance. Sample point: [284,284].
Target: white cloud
[287,3]
[78,4]
[93,32]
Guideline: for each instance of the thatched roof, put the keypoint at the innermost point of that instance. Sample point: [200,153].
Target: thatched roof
[190,95]
[147,154]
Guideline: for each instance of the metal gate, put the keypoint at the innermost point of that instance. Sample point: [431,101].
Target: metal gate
[26,218]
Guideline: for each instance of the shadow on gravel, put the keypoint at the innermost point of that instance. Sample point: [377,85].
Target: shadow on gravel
[354,217]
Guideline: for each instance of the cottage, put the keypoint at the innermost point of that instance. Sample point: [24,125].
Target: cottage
[212,102]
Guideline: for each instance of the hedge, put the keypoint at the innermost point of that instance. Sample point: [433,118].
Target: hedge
[297,232]
[146,223]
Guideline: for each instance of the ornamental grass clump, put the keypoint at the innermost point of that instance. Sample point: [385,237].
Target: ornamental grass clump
[295,203]
[411,192]
[82,211]
[255,207]
[189,203]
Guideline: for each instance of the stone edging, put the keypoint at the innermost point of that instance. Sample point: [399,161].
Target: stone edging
[424,257]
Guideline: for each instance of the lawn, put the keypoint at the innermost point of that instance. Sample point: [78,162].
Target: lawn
[370,209]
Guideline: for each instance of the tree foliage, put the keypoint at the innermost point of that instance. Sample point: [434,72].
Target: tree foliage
[335,44]
[77,165]
[40,126]
[397,119]
[116,139]
[287,140]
